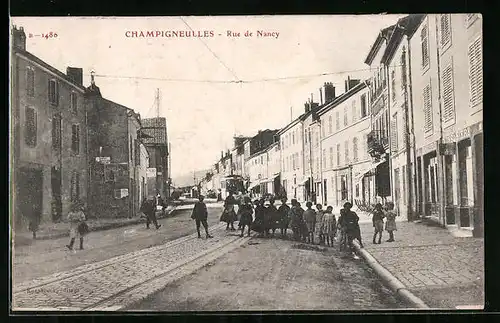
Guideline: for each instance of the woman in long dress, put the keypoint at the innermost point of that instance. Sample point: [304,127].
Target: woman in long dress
[258,222]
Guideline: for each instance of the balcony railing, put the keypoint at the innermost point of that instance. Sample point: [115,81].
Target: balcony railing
[377,143]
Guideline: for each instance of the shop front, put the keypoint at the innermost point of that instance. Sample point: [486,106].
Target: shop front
[464,178]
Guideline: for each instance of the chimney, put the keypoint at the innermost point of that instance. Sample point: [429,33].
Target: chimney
[349,84]
[307,107]
[329,92]
[321,96]
[221,154]
[18,38]
[75,74]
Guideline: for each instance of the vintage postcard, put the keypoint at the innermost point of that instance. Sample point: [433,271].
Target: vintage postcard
[250,163]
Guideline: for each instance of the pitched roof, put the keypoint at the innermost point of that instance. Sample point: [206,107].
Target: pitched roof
[405,26]
[383,34]
[338,100]
[156,129]
[51,68]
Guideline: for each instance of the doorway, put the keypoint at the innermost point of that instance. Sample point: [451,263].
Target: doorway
[30,195]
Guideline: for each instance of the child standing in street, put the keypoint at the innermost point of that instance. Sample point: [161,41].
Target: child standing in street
[378,223]
[390,224]
[329,227]
[319,223]
[310,219]
[76,218]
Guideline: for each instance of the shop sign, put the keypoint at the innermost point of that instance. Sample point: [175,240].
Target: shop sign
[457,136]
[103,160]
[151,172]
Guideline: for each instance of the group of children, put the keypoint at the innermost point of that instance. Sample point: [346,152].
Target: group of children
[378,216]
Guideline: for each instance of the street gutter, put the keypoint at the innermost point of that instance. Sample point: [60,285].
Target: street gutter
[394,284]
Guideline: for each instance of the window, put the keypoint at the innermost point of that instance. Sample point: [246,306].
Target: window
[75,138]
[293,162]
[424,43]
[445,30]
[75,186]
[305,136]
[427,108]
[346,120]
[30,81]
[131,152]
[475,72]
[56,132]
[354,112]
[138,153]
[355,149]
[324,158]
[346,152]
[53,92]
[293,138]
[403,70]
[448,94]
[30,135]
[393,85]
[338,154]
[331,157]
[330,124]
[74,102]
[394,133]
[364,110]
[386,124]
[317,138]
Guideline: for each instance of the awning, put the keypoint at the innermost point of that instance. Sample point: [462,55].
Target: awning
[270,179]
[254,184]
[358,176]
[303,182]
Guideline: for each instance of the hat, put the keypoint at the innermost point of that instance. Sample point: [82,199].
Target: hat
[347,204]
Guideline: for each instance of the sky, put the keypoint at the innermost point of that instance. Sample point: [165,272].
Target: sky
[198,78]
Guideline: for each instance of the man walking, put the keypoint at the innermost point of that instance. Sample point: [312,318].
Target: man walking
[200,215]
[148,207]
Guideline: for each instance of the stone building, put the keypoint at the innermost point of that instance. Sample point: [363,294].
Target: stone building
[49,151]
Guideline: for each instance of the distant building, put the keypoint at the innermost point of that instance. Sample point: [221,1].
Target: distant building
[156,141]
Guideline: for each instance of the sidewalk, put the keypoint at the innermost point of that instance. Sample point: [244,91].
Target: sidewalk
[442,270]
[61,229]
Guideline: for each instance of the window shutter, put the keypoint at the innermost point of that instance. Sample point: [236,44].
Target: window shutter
[476,72]
[77,186]
[30,82]
[354,114]
[425,46]
[346,146]
[427,109]
[394,133]
[31,127]
[393,84]
[355,149]
[330,124]
[324,158]
[331,157]
[338,154]
[345,116]
[445,30]
[448,95]
[56,92]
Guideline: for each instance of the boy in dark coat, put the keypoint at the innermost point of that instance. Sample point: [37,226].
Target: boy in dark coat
[283,212]
[200,215]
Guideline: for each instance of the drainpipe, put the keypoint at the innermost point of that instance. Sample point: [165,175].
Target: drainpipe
[441,182]
[389,153]
[321,161]
[409,201]
[412,130]
[89,166]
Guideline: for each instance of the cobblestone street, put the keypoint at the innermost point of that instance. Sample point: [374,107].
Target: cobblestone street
[444,271]
[46,257]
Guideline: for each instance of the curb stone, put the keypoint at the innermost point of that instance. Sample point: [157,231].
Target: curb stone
[99,228]
[394,284]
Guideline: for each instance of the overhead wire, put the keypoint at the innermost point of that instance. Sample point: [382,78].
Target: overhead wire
[239,81]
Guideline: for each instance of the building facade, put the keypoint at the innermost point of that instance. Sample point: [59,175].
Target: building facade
[48,138]
[155,138]
[292,159]
[113,142]
[347,169]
